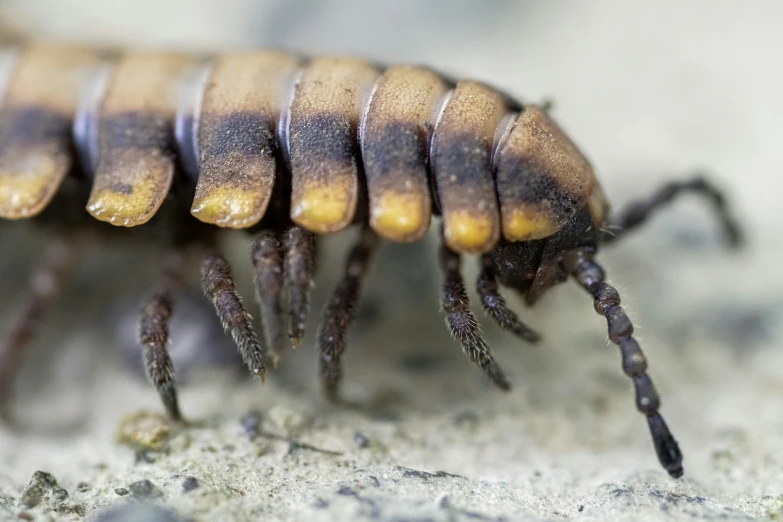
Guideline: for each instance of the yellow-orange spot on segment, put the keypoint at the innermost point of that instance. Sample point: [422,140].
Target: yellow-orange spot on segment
[398,217]
[229,207]
[322,208]
[131,205]
[28,188]
[469,232]
[522,225]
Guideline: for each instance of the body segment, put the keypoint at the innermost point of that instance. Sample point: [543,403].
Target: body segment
[135,135]
[323,125]
[395,137]
[38,109]
[462,167]
[236,137]
[556,179]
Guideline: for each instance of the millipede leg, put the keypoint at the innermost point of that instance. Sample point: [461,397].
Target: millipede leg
[461,321]
[495,306]
[154,333]
[589,274]
[45,284]
[268,268]
[218,286]
[299,264]
[638,212]
[339,312]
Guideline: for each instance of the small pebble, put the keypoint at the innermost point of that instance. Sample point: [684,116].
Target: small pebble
[143,430]
[122,491]
[145,456]
[361,440]
[189,484]
[346,492]
[43,487]
[81,487]
[144,489]
[251,423]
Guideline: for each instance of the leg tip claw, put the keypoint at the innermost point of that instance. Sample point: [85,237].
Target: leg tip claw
[666,447]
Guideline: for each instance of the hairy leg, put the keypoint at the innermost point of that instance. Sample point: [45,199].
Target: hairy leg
[461,321]
[637,212]
[154,332]
[268,267]
[581,265]
[299,247]
[44,287]
[218,286]
[340,311]
[495,306]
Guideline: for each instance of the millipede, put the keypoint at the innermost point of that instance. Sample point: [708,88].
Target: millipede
[289,148]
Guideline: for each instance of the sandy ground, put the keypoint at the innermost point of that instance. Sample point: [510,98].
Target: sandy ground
[650,92]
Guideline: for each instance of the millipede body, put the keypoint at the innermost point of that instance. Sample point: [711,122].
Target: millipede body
[291,148]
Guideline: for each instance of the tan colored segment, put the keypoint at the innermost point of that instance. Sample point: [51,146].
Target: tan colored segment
[542,178]
[394,151]
[50,77]
[462,161]
[135,138]
[35,125]
[322,136]
[236,137]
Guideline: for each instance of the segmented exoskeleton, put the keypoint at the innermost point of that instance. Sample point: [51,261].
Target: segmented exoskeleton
[290,148]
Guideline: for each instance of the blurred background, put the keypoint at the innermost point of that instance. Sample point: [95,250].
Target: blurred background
[650,92]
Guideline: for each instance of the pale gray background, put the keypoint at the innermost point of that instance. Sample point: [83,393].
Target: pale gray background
[650,90]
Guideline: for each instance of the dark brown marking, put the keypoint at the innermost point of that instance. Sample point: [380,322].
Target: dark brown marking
[146,131]
[33,126]
[122,188]
[244,133]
